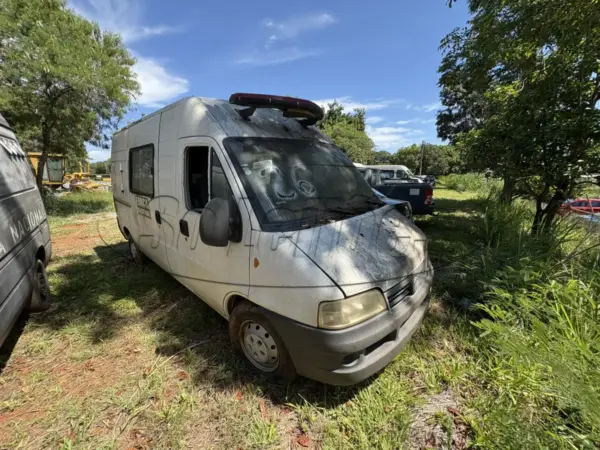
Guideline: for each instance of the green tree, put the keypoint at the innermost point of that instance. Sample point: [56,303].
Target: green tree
[521,86]
[356,144]
[381,157]
[437,159]
[347,130]
[63,81]
[99,167]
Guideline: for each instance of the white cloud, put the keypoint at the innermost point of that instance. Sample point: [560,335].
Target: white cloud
[292,27]
[157,85]
[421,121]
[374,119]
[350,105]
[98,155]
[274,57]
[275,51]
[119,16]
[391,138]
[431,107]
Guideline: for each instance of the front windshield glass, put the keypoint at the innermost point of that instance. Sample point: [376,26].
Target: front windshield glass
[294,183]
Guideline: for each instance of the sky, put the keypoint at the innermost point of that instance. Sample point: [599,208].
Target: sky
[381,55]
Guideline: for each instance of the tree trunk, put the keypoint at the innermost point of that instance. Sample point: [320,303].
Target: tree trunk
[507,190]
[39,176]
[544,217]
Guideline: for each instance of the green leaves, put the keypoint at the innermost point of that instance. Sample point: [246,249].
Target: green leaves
[63,81]
[520,88]
[347,130]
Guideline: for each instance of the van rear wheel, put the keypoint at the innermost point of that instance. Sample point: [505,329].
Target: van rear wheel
[40,296]
[253,336]
[136,254]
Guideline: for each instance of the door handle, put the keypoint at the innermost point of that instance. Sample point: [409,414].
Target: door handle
[157,217]
[183,227]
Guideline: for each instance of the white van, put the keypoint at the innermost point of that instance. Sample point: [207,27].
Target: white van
[255,211]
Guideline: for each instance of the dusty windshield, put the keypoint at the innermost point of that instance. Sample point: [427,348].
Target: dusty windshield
[295,183]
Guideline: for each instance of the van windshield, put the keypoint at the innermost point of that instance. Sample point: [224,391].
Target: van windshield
[295,183]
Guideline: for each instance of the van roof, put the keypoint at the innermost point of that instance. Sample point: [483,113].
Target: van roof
[219,118]
[389,167]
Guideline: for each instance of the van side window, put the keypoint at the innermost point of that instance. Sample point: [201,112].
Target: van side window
[196,185]
[219,187]
[141,170]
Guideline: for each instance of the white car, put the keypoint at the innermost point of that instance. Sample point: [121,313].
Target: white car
[258,213]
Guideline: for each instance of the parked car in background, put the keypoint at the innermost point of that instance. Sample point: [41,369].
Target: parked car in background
[257,212]
[581,206]
[419,194]
[397,173]
[25,247]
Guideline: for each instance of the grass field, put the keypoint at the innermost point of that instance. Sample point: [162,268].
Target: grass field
[128,358]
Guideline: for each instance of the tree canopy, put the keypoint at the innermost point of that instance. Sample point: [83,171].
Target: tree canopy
[437,159]
[63,80]
[347,130]
[520,88]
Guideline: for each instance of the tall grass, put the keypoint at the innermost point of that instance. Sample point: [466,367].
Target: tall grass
[77,203]
[541,325]
[476,182]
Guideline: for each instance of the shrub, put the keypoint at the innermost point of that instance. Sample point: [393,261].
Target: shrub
[542,318]
[476,182]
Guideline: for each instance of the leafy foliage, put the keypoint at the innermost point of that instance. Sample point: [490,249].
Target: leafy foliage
[64,81]
[520,87]
[437,159]
[474,182]
[100,167]
[347,130]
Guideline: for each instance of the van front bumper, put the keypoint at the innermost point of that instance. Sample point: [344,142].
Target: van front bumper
[345,357]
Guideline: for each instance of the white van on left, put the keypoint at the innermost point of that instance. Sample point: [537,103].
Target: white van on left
[25,247]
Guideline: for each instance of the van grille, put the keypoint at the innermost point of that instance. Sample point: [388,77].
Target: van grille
[400,291]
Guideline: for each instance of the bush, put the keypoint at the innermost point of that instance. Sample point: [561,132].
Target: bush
[542,323]
[77,203]
[476,182]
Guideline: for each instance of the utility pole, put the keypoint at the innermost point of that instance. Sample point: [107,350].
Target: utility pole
[422,153]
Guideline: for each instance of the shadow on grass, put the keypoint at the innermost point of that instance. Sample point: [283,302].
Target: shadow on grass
[97,291]
[88,288]
[454,243]
[11,340]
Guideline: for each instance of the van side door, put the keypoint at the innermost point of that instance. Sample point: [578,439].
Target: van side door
[200,173]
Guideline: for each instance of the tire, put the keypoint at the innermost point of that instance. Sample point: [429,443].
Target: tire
[136,254]
[40,296]
[251,332]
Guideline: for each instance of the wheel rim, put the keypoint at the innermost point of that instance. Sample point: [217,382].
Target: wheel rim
[41,280]
[259,346]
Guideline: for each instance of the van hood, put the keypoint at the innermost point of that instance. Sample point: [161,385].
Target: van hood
[376,249]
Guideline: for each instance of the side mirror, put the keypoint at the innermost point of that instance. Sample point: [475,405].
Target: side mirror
[214,223]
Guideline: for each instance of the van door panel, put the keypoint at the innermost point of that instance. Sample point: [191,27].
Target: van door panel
[212,273]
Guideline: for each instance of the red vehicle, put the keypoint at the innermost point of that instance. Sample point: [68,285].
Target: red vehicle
[581,206]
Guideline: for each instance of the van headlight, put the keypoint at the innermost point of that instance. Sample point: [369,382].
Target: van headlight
[338,314]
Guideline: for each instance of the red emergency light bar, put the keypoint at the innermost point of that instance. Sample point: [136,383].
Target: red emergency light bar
[307,112]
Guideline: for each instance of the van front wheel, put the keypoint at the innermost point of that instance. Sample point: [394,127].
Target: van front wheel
[253,336]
